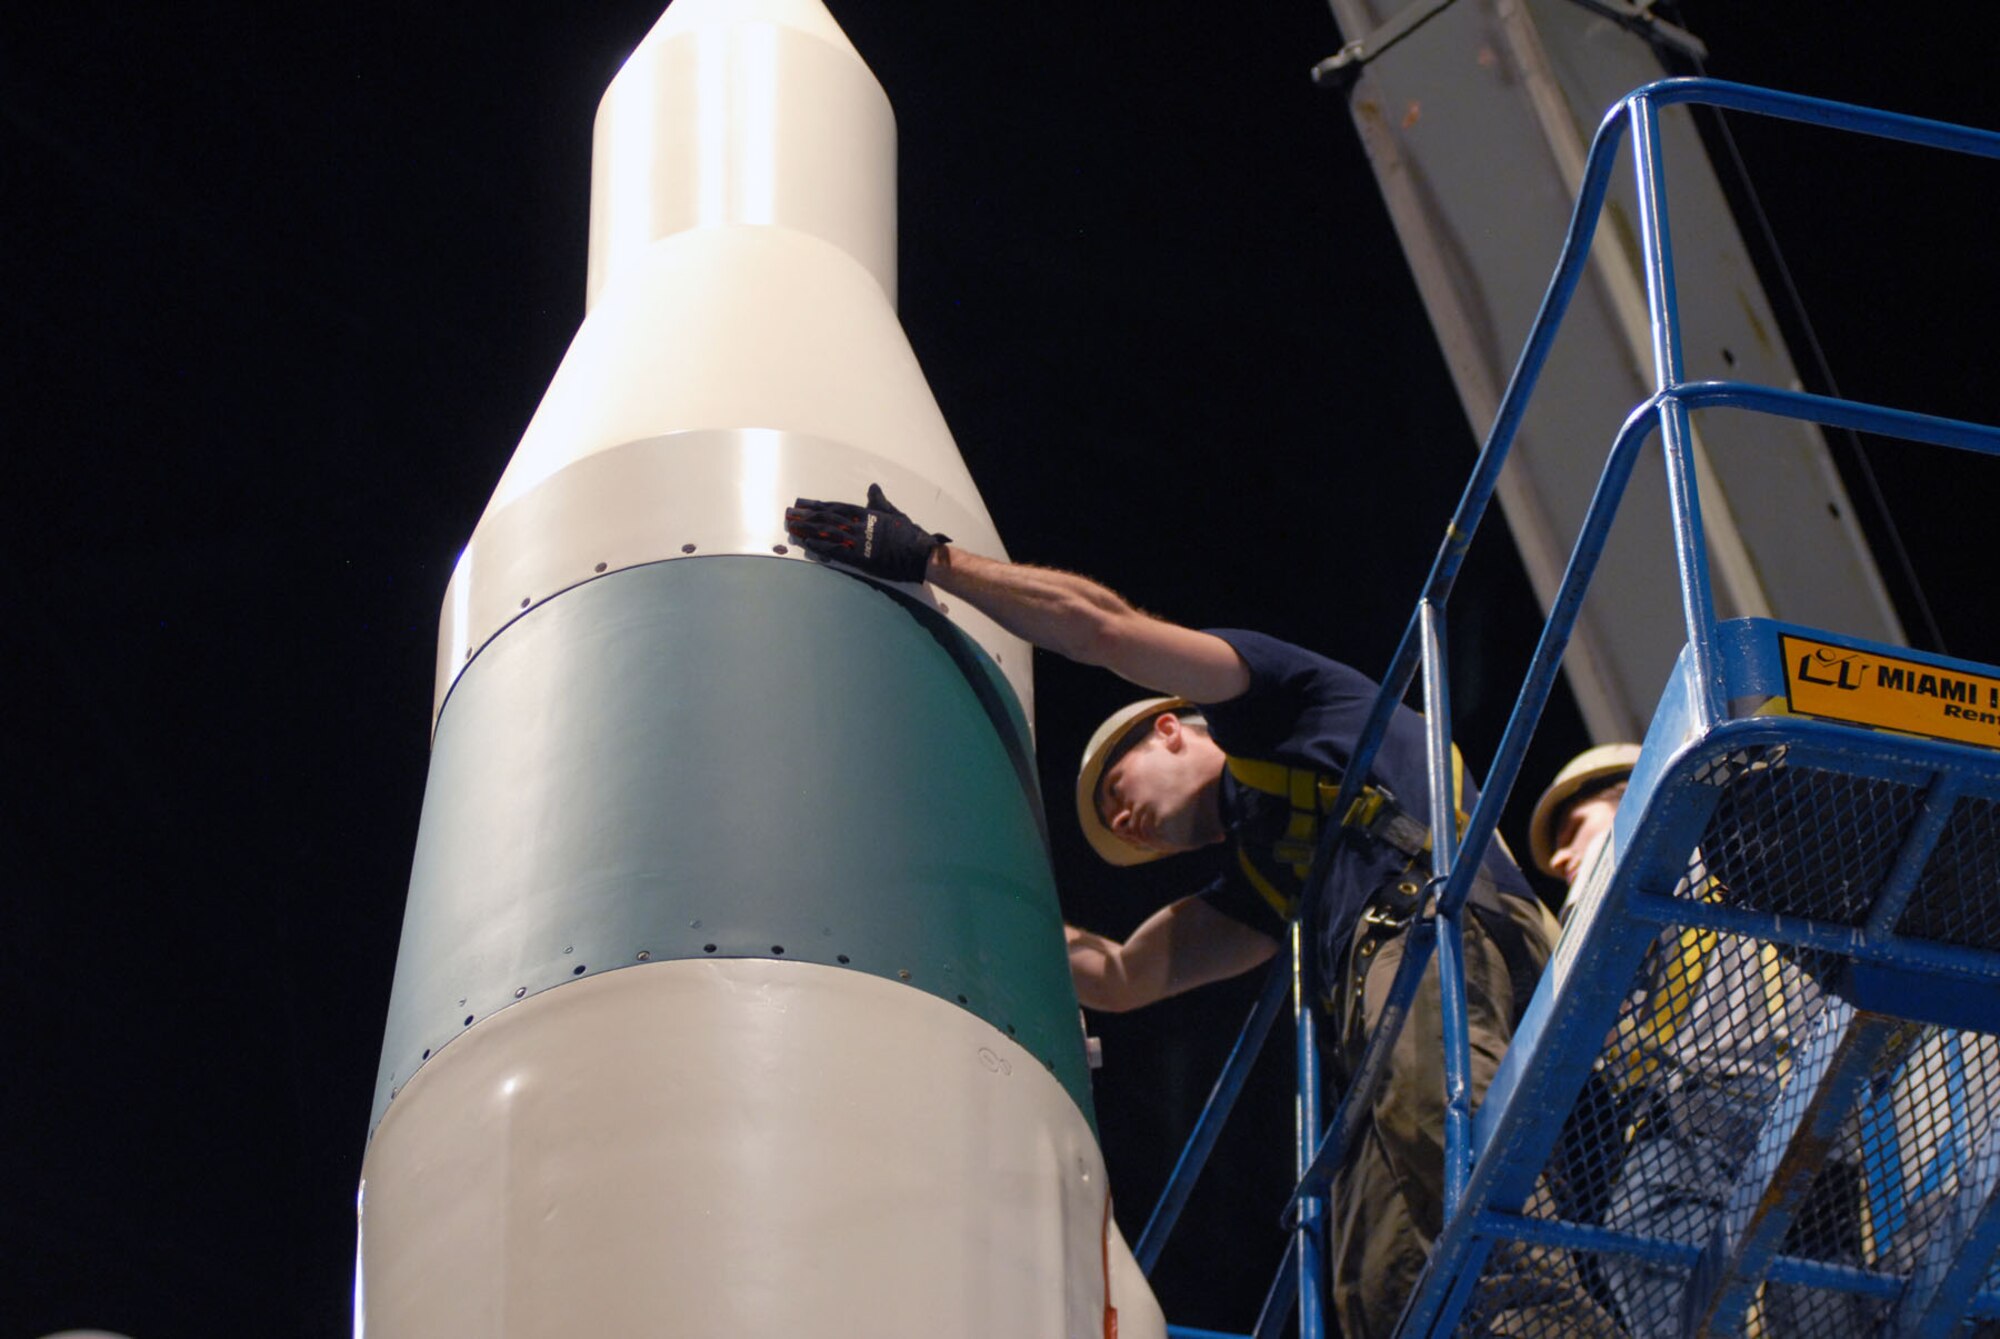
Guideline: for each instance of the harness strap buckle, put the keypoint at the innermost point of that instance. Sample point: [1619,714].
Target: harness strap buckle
[1366,808]
[1382,918]
[1393,906]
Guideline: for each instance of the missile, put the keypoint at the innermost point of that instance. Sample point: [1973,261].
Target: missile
[731,997]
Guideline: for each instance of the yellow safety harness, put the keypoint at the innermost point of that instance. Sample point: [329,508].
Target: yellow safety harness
[1278,871]
[1644,1035]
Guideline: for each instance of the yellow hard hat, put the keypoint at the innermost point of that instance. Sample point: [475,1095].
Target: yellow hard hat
[1106,745]
[1598,766]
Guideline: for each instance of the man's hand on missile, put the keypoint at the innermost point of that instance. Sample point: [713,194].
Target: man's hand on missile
[877,539]
[1062,612]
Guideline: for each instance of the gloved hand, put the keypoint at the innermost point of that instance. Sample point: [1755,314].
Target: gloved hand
[877,539]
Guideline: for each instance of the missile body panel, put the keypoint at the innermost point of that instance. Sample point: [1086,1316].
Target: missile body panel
[731,997]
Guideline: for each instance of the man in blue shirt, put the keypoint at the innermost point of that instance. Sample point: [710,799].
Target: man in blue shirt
[1247,746]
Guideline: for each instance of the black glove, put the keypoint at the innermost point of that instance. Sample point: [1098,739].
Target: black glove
[877,539]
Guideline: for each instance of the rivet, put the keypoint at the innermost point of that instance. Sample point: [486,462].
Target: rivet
[943,608]
[578,970]
[903,973]
[687,548]
[779,549]
[645,955]
[1407,889]
[527,600]
[520,992]
[602,566]
[468,1020]
[843,958]
[570,948]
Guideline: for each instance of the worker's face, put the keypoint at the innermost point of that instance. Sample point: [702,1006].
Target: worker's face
[1583,828]
[1155,795]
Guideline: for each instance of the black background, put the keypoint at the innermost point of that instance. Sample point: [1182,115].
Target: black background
[281,285]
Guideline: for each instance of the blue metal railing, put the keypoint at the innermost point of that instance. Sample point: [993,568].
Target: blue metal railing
[1221,1101]
[1457,858]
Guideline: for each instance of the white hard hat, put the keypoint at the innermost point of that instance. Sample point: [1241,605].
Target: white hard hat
[1597,767]
[1111,739]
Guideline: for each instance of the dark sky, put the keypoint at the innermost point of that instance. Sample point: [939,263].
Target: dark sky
[282,285]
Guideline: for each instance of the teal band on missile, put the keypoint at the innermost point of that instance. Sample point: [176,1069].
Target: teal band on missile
[732,757]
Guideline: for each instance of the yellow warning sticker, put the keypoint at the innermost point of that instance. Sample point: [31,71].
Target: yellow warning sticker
[1890,693]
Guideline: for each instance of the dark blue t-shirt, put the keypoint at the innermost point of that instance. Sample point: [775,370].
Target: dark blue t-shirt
[1304,710]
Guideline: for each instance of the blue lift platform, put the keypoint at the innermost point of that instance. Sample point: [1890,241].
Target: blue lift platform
[1773,1020]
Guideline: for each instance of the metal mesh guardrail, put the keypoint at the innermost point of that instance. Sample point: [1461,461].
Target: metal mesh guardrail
[1799,841]
[1958,898]
[1719,1041]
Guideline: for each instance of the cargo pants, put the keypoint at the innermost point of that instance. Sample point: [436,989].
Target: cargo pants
[1387,1203]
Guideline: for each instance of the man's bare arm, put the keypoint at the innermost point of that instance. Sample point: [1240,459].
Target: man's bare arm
[1059,611]
[1084,621]
[1182,945]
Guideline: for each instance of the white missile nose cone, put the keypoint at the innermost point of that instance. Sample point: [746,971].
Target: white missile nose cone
[743,113]
[805,16]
